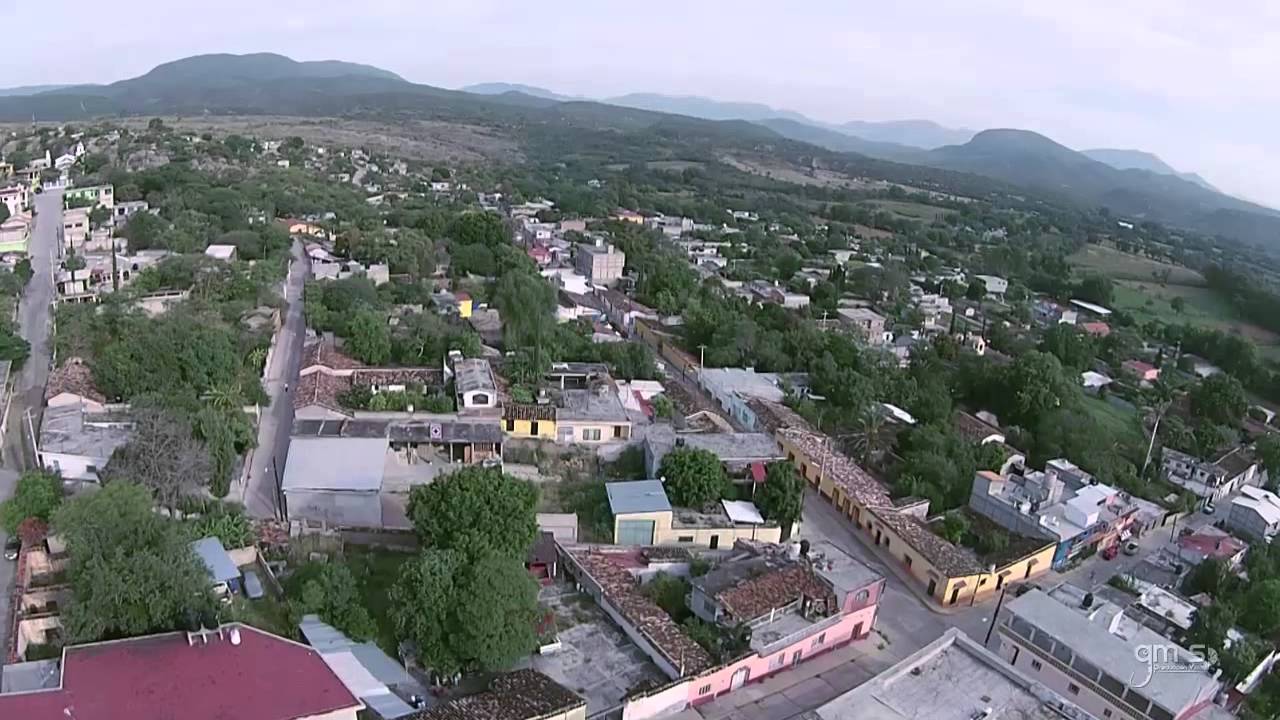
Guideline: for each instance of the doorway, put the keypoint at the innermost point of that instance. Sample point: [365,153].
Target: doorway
[740,678]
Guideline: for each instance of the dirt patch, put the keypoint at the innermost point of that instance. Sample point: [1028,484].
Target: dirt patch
[776,170]
[867,232]
[425,140]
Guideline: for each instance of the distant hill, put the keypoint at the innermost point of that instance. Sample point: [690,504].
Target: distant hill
[29,90]
[1139,160]
[706,108]
[840,142]
[501,88]
[925,134]
[1033,161]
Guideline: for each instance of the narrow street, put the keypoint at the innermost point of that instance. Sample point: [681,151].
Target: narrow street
[259,494]
[35,324]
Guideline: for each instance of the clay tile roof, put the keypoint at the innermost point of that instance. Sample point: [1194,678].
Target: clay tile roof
[73,377]
[756,596]
[776,416]
[519,695]
[842,470]
[948,559]
[972,427]
[525,411]
[324,352]
[619,588]
[320,389]
[264,677]
[431,377]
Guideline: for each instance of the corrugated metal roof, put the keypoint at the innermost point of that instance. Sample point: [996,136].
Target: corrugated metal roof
[638,496]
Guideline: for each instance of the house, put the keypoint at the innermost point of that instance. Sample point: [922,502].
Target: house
[642,515]
[78,443]
[798,607]
[601,263]
[296,226]
[591,415]
[867,323]
[1062,505]
[15,233]
[952,678]
[474,383]
[1198,366]
[457,304]
[629,216]
[520,695]
[72,384]
[127,209]
[975,429]
[996,286]
[367,672]
[733,387]
[736,451]
[16,197]
[622,311]
[1088,650]
[1094,381]
[1096,329]
[1212,480]
[1255,513]
[225,253]
[92,196]
[1210,543]
[234,671]
[326,373]
[224,576]
[1092,309]
[63,163]
[1144,372]
[75,227]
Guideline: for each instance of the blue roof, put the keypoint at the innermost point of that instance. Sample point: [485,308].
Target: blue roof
[215,559]
[638,496]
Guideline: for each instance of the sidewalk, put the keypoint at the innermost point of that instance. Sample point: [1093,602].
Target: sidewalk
[812,683]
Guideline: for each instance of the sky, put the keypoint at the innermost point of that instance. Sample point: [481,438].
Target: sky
[1192,81]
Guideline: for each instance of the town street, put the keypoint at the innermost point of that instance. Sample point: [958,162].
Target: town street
[259,494]
[35,325]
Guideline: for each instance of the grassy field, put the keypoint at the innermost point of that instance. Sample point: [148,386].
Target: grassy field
[1115,420]
[674,165]
[1151,301]
[910,210]
[1106,260]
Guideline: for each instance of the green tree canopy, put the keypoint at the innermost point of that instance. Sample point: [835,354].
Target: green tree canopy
[693,477]
[1219,399]
[781,497]
[37,495]
[331,591]
[476,511]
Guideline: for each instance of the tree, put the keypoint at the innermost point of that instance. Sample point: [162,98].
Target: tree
[1268,449]
[1097,289]
[867,438]
[331,592]
[163,456]
[37,495]
[465,615]
[668,592]
[781,497]
[486,228]
[1260,610]
[74,262]
[1035,384]
[976,290]
[1210,577]
[1210,625]
[1219,399]
[1178,304]
[476,511]
[693,477]
[370,337]
[1074,349]
[132,571]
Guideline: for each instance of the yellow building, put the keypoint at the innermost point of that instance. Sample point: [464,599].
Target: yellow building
[950,574]
[529,421]
[642,515]
[464,305]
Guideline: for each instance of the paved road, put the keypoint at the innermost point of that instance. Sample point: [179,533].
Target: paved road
[259,495]
[35,324]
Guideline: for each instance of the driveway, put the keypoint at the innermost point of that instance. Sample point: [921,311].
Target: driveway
[259,494]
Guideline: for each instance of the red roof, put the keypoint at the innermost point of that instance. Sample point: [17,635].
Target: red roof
[1138,366]
[1100,329]
[757,472]
[1220,547]
[162,677]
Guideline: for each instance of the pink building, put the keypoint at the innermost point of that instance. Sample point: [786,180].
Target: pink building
[1145,372]
[797,605]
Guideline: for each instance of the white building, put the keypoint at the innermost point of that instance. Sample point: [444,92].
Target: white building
[1255,512]
[996,286]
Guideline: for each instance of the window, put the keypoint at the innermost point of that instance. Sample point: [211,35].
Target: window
[480,399]
[1035,665]
[685,539]
[862,596]
[619,431]
[591,434]
[1086,669]
[1137,702]
[1073,688]
[1063,654]
[907,559]
[1106,712]
[1112,685]
[704,689]
[1159,713]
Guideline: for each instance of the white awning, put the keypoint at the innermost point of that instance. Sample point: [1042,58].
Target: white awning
[742,511]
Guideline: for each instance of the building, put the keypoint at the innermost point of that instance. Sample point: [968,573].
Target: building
[224,576]
[1144,372]
[1071,509]
[225,253]
[16,197]
[733,387]
[1096,328]
[75,228]
[234,671]
[600,263]
[737,451]
[951,678]
[1089,651]
[1212,480]
[996,286]
[127,209]
[358,473]
[642,515]
[91,196]
[796,608]
[622,311]
[1094,381]
[15,234]
[1091,309]
[868,324]
[520,695]
[630,216]
[72,384]
[1255,513]
[382,684]
[1210,543]
[458,304]
[78,443]
[591,415]
[474,384]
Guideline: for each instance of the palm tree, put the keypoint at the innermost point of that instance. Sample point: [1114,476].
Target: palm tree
[866,440]
[226,396]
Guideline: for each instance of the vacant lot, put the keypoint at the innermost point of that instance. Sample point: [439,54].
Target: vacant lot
[910,210]
[1106,260]
[1200,306]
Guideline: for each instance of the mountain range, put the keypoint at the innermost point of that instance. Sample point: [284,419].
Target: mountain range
[1130,183]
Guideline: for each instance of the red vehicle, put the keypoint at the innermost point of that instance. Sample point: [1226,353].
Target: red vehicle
[1110,552]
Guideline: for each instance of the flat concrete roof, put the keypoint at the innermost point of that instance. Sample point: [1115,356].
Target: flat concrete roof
[342,463]
[952,678]
[637,496]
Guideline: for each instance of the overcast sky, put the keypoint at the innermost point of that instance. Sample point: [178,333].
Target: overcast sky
[1192,81]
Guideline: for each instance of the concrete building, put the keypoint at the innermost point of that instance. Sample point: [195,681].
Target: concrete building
[1255,513]
[736,450]
[1089,651]
[642,515]
[519,695]
[225,253]
[474,384]
[600,263]
[77,443]
[951,678]
[92,196]
[382,684]
[868,324]
[996,286]
[1212,480]
[15,234]
[75,228]
[235,670]
[733,387]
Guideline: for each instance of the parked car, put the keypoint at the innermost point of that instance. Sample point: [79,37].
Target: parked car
[1131,548]
[12,547]
[1208,508]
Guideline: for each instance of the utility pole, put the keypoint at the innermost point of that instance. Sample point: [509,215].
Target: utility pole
[996,616]
[702,361]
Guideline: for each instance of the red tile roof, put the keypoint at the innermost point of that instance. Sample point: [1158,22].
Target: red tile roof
[1100,329]
[519,695]
[325,353]
[321,389]
[73,377]
[756,596]
[843,471]
[162,677]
